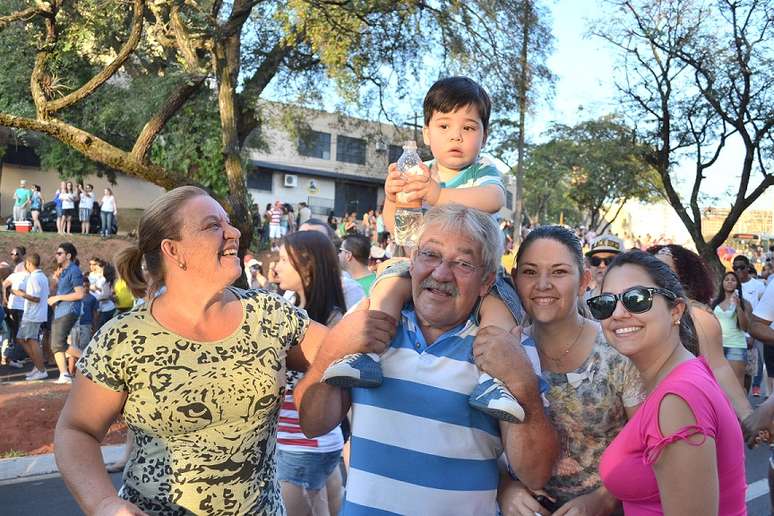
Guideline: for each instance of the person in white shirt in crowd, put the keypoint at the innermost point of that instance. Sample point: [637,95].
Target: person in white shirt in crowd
[85,207]
[762,329]
[16,281]
[304,213]
[353,292]
[108,211]
[18,255]
[35,298]
[102,289]
[68,198]
[254,272]
[752,290]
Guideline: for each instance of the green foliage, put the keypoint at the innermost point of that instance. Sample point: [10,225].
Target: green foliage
[591,167]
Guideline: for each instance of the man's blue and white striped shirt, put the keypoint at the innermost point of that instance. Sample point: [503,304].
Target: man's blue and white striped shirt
[417,446]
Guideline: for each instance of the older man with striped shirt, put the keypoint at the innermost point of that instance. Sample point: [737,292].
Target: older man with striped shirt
[418,447]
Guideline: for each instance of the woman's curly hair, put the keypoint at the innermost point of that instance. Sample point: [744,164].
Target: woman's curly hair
[692,271]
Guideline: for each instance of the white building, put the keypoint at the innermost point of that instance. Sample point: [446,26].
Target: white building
[327,160]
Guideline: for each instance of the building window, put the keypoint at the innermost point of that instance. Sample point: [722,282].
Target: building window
[394,152]
[350,150]
[260,178]
[315,144]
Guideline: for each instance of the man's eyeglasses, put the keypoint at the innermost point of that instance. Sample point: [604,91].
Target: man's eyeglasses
[431,259]
[59,253]
[596,261]
[636,300]
[740,267]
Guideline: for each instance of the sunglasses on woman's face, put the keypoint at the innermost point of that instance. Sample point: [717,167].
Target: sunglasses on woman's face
[636,300]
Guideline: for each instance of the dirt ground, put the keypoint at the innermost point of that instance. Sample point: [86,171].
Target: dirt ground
[45,245]
[29,415]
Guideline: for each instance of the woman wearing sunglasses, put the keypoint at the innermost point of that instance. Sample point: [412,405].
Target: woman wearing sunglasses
[734,314]
[593,389]
[682,452]
[697,283]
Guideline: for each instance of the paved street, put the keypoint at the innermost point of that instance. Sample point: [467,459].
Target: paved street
[49,496]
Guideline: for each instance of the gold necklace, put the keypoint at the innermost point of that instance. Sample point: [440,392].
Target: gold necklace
[556,361]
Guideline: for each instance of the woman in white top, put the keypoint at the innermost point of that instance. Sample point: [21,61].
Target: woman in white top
[85,207]
[68,206]
[308,469]
[108,212]
[102,289]
[733,313]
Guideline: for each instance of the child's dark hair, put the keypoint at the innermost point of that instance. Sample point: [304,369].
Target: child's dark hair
[452,93]
[664,278]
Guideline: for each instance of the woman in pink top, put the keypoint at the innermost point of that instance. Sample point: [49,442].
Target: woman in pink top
[682,452]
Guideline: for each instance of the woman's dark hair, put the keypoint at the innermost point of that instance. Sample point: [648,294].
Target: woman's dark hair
[314,257]
[36,187]
[722,292]
[664,278]
[692,271]
[560,234]
[108,271]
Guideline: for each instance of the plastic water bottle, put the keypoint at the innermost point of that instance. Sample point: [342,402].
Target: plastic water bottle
[408,214]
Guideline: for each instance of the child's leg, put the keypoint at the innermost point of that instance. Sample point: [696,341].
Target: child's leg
[494,312]
[388,294]
[490,395]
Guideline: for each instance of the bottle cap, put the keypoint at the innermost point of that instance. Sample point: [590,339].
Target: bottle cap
[411,144]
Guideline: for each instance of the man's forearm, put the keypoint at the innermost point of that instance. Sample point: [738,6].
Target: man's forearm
[322,409]
[532,446]
[320,406]
[762,331]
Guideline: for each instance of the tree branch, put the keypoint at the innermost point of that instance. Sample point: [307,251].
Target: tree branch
[98,150]
[174,102]
[25,14]
[109,70]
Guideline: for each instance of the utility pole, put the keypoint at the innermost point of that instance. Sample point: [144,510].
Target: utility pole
[518,194]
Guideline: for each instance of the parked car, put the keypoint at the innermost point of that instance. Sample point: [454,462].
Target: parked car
[48,220]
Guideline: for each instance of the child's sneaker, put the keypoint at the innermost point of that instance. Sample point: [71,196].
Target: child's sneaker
[493,398]
[357,370]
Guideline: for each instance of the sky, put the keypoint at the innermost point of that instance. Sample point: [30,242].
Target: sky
[585,88]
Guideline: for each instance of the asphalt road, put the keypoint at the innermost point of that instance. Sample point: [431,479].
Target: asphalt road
[49,496]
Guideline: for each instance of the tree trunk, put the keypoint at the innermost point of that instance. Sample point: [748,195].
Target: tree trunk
[518,196]
[227,69]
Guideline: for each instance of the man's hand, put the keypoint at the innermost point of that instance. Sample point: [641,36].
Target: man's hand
[500,354]
[115,506]
[758,427]
[517,500]
[53,300]
[361,331]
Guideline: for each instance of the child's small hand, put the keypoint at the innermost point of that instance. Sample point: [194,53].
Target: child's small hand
[422,187]
[394,183]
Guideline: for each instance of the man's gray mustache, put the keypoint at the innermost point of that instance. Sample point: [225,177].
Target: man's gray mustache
[446,288]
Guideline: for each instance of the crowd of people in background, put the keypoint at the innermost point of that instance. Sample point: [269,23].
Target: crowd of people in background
[52,310]
[72,202]
[570,374]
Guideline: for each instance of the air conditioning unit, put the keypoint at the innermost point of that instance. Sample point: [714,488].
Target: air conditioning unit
[380,146]
[291,180]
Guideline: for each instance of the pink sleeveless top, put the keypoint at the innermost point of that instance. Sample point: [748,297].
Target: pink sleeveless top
[626,466]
